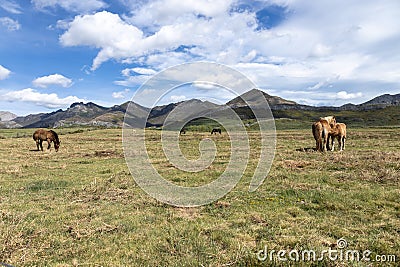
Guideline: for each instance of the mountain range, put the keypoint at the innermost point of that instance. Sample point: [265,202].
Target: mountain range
[91,114]
[6,116]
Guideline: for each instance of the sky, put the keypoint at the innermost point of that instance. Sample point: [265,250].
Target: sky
[57,52]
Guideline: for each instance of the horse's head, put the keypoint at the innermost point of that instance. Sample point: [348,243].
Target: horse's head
[331,120]
[57,145]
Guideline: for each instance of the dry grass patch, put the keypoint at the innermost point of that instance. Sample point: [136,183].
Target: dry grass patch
[81,206]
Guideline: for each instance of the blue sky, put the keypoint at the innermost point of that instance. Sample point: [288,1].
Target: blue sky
[56,52]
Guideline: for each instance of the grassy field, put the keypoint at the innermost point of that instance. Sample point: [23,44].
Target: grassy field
[81,206]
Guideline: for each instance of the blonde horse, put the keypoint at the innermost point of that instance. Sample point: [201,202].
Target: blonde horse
[338,132]
[321,130]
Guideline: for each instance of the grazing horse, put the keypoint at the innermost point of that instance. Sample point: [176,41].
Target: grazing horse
[44,135]
[216,130]
[321,130]
[339,131]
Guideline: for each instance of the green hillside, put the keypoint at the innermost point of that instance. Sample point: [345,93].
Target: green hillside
[389,116]
[302,119]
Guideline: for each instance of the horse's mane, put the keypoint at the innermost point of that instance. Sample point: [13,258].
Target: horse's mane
[55,136]
[328,118]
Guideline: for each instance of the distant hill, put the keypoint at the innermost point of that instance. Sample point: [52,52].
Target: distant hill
[253,95]
[7,116]
[382,110]
[76,114]
[193,108]
[79,114]
[384,101]
[6,120]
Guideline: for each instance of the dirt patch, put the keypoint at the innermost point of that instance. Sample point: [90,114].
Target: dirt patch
[108,154]
[101,139]
[306,149]
[77,232]
[296,164]
[187,213]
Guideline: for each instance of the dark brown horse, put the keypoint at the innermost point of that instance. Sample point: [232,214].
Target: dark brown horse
[216,130]
[44,135]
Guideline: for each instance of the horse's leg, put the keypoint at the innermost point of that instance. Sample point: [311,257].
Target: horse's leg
[318,138]
[49,143]
[320,144]
[331,140]
[325,145]
[327,142]
[332,143]
[328,148]
[343,141]
[41,145]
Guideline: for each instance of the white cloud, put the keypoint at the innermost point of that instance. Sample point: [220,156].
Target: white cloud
[132,81]
[346,95]
[104,30]
[54,79]
[47,100]
[165,12]
[316,42]
[4,73]
[62,24]
[10,24]
[11,6]
[320,50]
[126,72]
[124,42]
[324,83]
[225,37]
[161,61]
[70,5]
[120,94]
[177,98]
[142,71]
[321,97]
[341,95]
[135,76]
[204,85]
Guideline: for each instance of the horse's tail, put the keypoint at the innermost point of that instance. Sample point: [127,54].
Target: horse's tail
[324,133]
[35,135]
[317,132]
[325,137]
[314,131]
